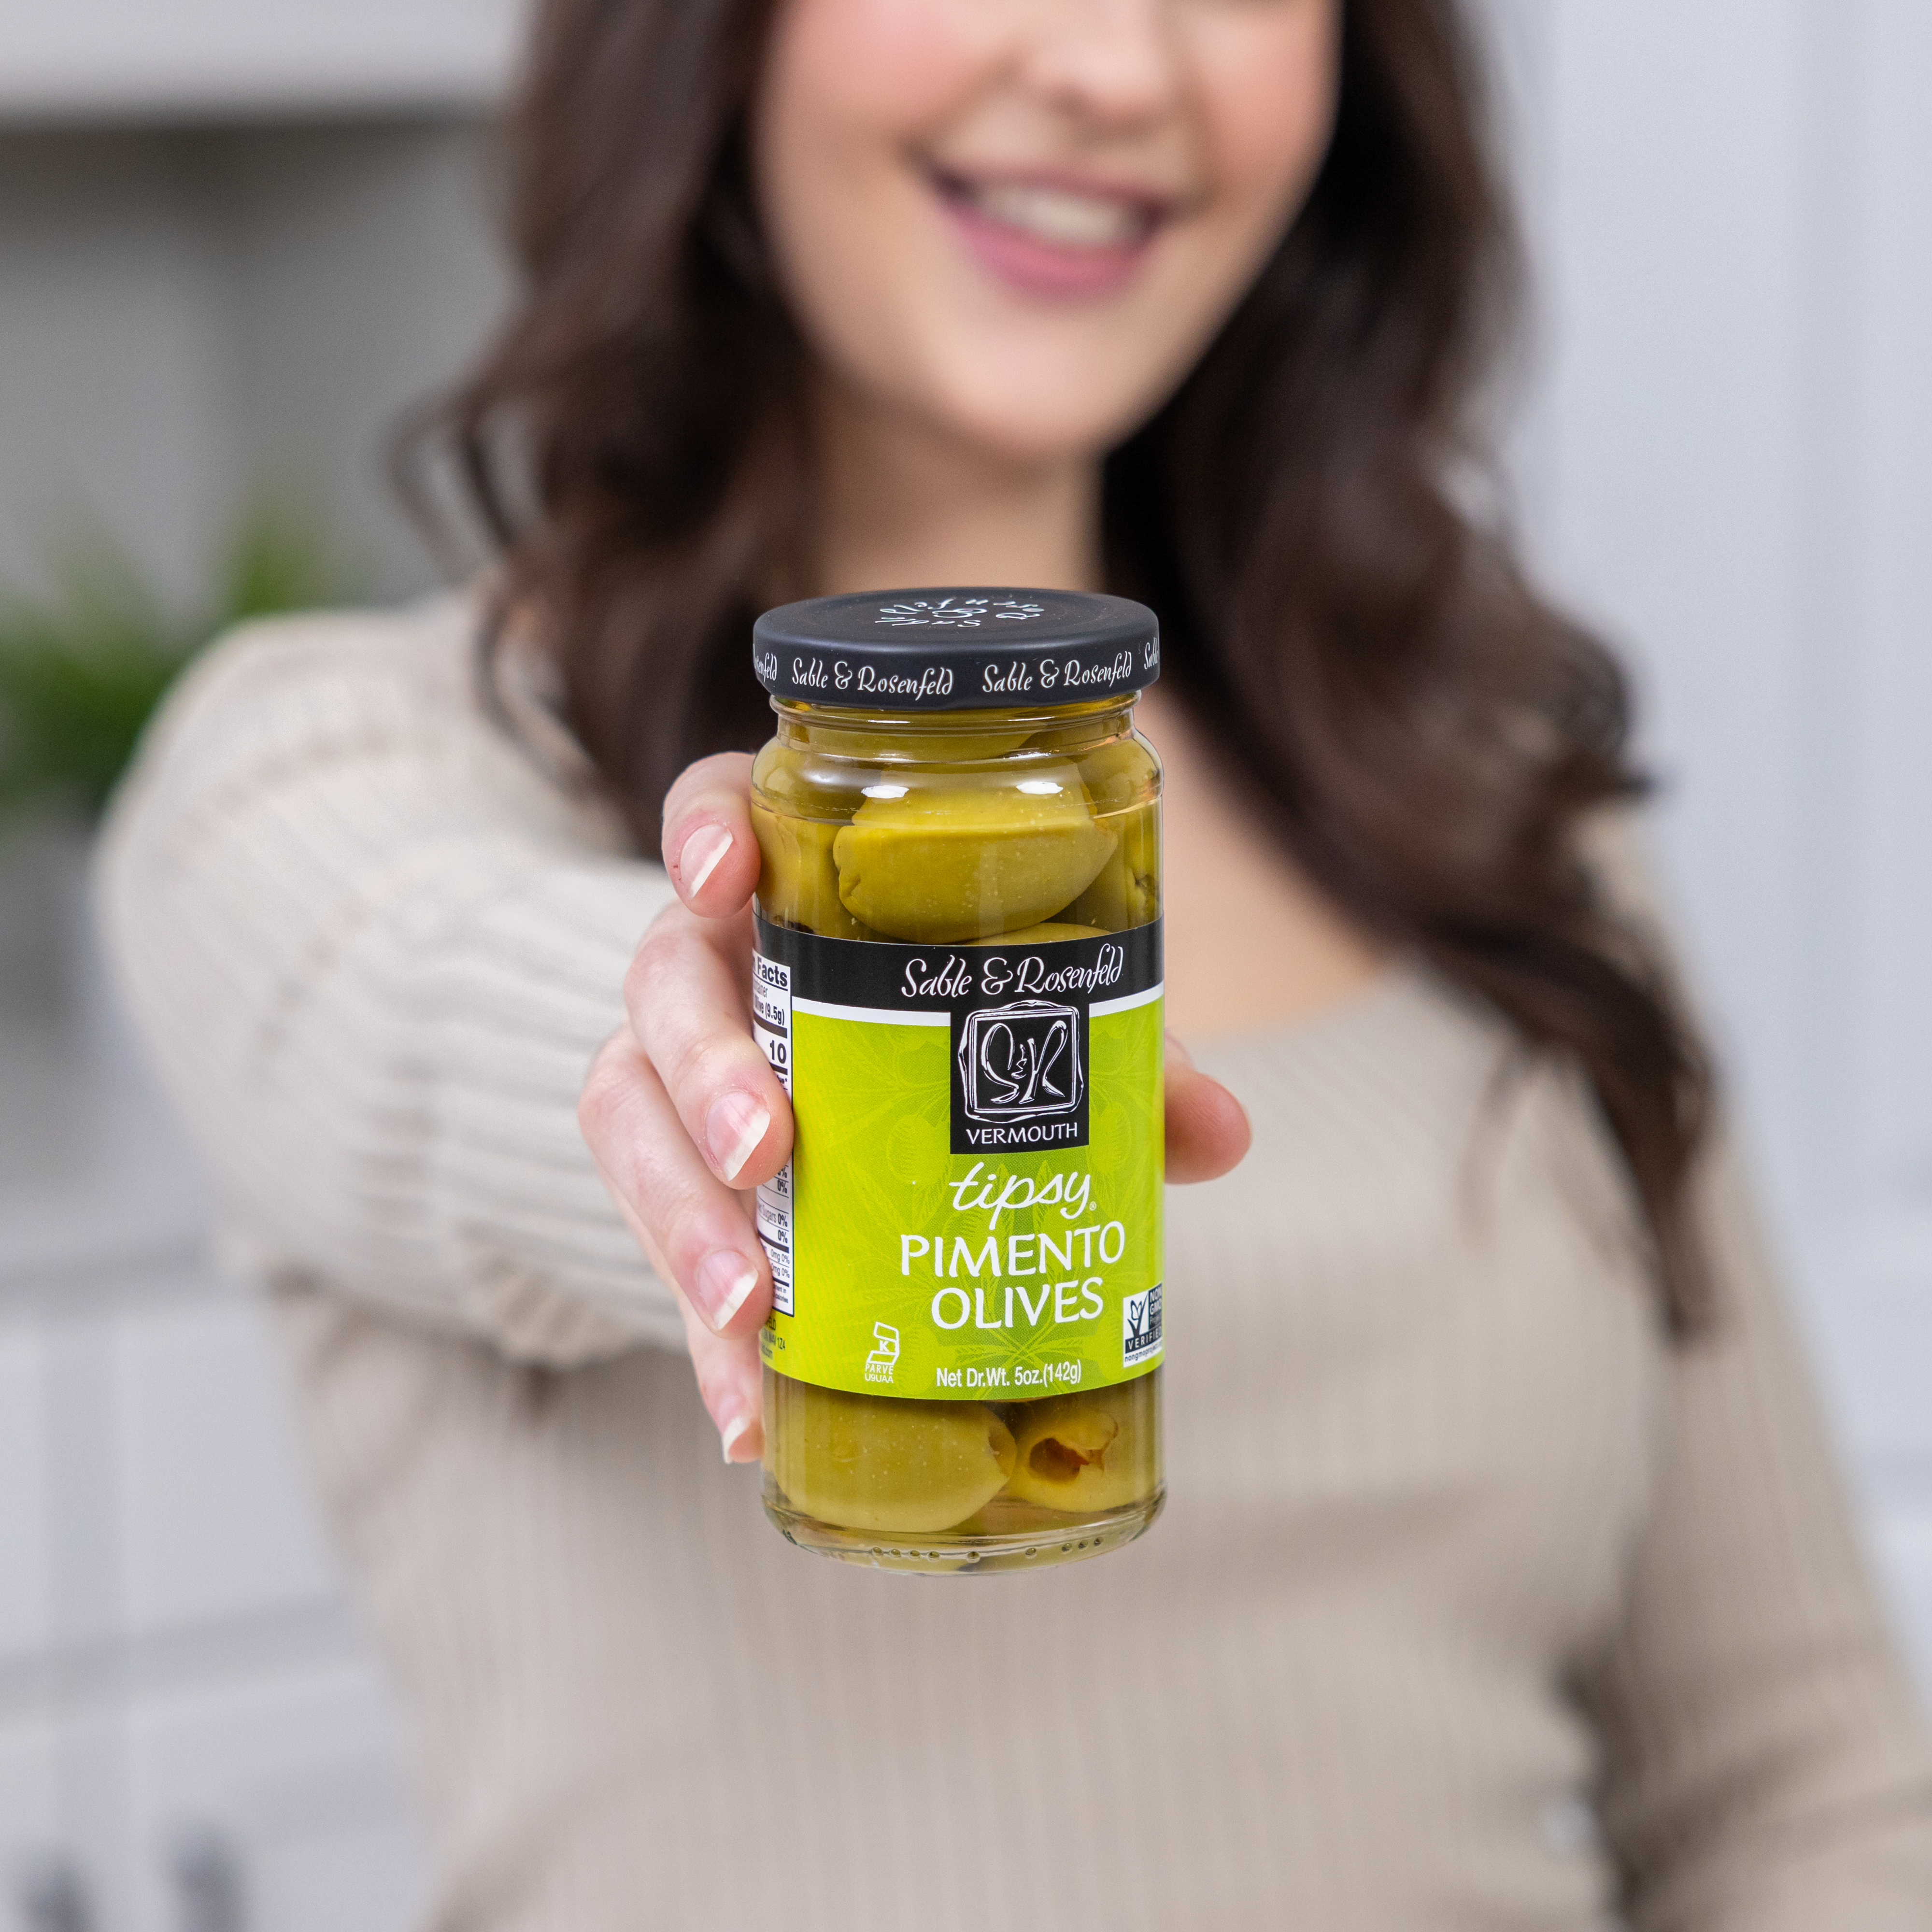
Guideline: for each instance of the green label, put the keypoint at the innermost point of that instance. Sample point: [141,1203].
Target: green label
[973,1206]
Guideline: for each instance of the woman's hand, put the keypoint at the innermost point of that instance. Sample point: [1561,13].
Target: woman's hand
[685,1117]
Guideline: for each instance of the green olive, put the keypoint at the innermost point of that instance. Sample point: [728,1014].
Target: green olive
[901,1466]
[798,884]
[964,863]
[1077,1453]
[1117,775]
[1044,934]
[1127,891]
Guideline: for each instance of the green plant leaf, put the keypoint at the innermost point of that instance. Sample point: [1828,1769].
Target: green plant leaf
[277,559]
[83,664]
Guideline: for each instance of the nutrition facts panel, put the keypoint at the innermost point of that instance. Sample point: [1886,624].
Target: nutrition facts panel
[771,1027]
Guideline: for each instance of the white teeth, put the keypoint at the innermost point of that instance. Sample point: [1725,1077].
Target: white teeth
[1060,217]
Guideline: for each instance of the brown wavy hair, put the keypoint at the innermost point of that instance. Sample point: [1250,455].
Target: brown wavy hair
[1424,735]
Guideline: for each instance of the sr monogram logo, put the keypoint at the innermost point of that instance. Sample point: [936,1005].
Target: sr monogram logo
[1022,1062]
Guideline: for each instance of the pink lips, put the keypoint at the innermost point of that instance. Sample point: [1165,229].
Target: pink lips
[1037,267]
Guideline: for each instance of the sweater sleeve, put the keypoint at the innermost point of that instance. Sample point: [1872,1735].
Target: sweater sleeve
[372,944]
[1766,1765]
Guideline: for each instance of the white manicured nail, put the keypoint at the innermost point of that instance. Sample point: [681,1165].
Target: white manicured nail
[724,1280]
[699,859]
[733,1430]
[736,1126]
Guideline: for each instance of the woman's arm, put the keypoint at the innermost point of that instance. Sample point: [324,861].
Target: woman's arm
[1766,1766]
[373,948]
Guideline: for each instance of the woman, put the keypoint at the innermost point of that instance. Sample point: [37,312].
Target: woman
[1504,1581]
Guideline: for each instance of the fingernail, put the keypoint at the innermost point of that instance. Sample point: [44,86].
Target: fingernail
[736,1125]
[700,856]
[733,1430]
[1180,1053]
[725,1279]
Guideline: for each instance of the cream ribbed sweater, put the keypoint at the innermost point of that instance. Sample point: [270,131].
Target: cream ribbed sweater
[1474,1605]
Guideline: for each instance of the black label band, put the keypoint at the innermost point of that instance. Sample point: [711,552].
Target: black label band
[951,979]
[1020,1017]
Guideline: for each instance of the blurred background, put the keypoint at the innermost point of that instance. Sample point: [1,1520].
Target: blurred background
[236,236]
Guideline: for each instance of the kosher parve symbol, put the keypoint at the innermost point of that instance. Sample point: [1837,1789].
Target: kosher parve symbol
[1022,1062]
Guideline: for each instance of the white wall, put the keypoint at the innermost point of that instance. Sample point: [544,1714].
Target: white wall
[152,59]
[111,386]
[186,312]
[1727,464]
[1736,226]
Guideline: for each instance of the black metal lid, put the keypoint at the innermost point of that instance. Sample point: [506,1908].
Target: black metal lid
[975,648]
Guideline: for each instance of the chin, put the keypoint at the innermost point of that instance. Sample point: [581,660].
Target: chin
[1051,417]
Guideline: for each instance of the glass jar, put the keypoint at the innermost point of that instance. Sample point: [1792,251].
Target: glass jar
[958,976]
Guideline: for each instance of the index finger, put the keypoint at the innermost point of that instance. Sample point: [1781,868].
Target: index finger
[710,849]
[1208,1129]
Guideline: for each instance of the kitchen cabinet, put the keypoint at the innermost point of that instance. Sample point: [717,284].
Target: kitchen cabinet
[192,1737]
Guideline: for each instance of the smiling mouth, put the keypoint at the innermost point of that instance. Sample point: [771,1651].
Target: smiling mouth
[1055,218]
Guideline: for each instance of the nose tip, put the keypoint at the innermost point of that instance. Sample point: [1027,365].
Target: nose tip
[1112,60]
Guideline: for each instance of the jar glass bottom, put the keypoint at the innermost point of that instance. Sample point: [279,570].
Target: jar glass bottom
[1043,1541]
[946,1488]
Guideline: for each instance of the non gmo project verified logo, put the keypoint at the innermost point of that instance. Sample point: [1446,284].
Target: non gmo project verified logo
[1140,1326]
